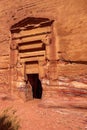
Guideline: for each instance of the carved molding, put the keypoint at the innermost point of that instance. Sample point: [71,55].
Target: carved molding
[14,46]
[46,40]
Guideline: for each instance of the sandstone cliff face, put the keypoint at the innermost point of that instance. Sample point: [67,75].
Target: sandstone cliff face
[70,30]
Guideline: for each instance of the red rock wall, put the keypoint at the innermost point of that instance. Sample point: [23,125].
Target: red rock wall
[70,34]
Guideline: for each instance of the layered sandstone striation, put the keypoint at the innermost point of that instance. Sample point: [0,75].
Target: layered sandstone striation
[62,68]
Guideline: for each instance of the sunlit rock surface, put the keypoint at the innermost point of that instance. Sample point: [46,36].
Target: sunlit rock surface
[63,69]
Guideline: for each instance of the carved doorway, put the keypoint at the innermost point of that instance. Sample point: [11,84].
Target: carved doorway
[36,85]
[30,48]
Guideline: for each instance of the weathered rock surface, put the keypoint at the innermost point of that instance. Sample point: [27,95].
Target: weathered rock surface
[69,72]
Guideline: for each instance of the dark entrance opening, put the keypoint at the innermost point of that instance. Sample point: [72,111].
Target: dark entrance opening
[36,85]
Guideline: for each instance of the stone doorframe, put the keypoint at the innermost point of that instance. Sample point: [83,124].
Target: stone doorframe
[47,66]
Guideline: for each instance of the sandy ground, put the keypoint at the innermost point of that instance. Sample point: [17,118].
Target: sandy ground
[35,116]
